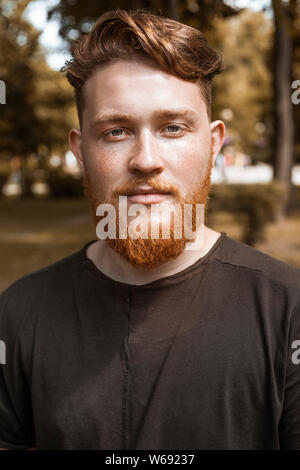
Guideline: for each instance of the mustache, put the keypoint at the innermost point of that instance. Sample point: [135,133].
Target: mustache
[156,185]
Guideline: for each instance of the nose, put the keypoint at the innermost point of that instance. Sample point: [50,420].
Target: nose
[146,155]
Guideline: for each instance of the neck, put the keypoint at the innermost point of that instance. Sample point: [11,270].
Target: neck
[112,265]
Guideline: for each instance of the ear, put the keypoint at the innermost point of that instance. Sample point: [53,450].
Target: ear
[75,145]
[217,130]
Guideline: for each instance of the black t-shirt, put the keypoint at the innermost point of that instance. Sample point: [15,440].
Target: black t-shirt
[203,359]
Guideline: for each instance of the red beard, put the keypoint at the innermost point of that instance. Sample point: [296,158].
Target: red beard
[148,253]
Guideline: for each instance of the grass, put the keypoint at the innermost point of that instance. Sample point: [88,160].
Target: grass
[35,233]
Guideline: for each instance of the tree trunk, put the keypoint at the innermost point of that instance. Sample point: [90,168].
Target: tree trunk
[283,107]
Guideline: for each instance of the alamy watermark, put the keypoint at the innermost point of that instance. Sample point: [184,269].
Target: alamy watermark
[296,354]
[2,352]
[296,93]
[2,92]
[160,215]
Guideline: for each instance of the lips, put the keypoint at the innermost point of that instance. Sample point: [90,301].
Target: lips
[146,190]
[147,195]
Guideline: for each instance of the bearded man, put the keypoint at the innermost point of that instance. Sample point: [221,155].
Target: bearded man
[186,341]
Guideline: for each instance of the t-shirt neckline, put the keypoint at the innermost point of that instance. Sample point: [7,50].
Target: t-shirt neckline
[93,268]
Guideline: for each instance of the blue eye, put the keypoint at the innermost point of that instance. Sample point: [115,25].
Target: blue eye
[114,130]
[172,129]
[172,126]
[175,130]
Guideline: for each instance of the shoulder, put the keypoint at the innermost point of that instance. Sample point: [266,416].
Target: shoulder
[38,277]
[26,297]
[244,258]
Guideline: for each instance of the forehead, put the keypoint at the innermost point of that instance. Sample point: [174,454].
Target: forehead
[138,85]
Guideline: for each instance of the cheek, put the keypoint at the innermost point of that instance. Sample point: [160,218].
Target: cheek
[102,175]
[102,166]
[189,168]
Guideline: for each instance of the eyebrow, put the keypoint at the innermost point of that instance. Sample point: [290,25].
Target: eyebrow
[187,114]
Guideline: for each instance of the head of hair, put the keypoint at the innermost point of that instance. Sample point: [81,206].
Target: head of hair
[178,49]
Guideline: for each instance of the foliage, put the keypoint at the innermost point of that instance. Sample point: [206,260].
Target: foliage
[38,109]
[254,205]
[296,69]
[62,184]
[245,37]
[245,87]
[77,17]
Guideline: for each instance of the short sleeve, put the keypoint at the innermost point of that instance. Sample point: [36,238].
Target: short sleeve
[16,427]
[289,426]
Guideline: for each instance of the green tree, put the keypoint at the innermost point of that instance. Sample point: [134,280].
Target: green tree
[39,102]
[245,87]
[18,44]
[283,108]
[295,10]
[286,63]
[77,17]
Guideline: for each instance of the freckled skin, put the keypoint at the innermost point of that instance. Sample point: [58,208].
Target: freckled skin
[139,88]
[177,151]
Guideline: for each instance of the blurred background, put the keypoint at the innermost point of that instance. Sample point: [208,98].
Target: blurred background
[256,180]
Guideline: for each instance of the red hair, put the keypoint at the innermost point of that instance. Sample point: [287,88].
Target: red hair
[178,49]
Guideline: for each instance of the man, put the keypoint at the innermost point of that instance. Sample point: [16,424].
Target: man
[159,342]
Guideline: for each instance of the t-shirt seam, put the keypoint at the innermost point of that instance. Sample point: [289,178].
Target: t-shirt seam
[286,365]
[190,269]
[125,384]
[85,261]
[261,271]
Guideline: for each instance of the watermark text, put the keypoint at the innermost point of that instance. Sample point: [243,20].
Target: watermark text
[2,352]
[158,217]
[296,94]
[2,92]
